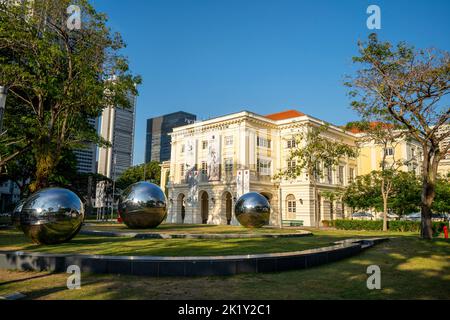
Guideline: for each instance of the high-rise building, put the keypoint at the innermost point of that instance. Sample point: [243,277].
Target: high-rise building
[117,127]
[157,145]
[87,156]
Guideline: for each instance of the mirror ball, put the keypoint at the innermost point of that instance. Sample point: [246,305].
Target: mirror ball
[252,210]
[51,216]
[143,205]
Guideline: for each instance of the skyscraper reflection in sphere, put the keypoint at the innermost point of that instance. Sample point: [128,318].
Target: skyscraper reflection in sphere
[143,205]
[51,216]
[252,210]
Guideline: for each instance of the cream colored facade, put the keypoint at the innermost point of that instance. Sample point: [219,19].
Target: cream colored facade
[406,151]
[256,143]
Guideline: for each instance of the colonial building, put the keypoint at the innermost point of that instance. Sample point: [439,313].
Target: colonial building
[215,161]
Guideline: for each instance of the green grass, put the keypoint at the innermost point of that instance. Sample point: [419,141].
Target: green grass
[84,244]
[186,228]
[411,268]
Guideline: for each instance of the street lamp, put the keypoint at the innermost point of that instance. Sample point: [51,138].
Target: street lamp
[2,106]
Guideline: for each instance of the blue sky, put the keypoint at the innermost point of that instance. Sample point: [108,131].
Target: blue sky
[213,57]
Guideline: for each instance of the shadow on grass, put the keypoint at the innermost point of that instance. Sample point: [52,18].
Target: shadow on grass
[24,279]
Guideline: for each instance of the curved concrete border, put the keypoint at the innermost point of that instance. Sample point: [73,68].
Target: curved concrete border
[185,266]
[156,235]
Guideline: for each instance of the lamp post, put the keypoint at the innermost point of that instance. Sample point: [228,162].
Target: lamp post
[2,106]
[114,184]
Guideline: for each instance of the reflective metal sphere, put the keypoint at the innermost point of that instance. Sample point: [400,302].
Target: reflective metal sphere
[15,216]
[252,210]
[52,216]
[143,205]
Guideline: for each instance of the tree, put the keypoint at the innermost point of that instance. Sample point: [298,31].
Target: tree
[387,136]
[407,85]
[405,193]
[315,151]
[151,170]
[85,184]
[441,203]
[332,196]
[57,80]
[365,193]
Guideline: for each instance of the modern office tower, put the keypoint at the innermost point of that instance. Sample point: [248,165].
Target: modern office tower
[157,145]
[87,157]
[117,127]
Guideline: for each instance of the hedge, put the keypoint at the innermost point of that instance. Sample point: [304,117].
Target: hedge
[395,225]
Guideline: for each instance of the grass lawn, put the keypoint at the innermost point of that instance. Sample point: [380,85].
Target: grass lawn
[87,244]
[185,228]
[410,269]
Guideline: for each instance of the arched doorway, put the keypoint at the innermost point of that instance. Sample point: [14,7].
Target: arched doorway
[204,206]
[227,198]
[291,206]
[181,207]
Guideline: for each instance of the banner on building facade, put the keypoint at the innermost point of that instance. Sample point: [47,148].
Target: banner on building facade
[246,183]
[190,158]
[100,194]
[192,181]
[213,158]
[239,183]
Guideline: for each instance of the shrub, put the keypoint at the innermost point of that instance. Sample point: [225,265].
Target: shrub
[401,226]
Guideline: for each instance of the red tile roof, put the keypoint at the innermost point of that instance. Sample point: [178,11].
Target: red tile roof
[285,115]
[372,125]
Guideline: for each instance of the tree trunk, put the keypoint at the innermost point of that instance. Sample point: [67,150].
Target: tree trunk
[428,193]
[45,165]
[385,211]
[429,173]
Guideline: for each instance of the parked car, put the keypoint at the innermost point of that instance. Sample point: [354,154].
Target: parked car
[362,216]
[415,216]
[440,216]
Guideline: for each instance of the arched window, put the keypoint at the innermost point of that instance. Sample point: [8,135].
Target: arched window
[291,204]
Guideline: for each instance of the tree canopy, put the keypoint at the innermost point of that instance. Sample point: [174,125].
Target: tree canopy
[57,79]
[135,174]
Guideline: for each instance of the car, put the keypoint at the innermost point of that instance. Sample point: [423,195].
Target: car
[362,215]
[440,216]
[415,216]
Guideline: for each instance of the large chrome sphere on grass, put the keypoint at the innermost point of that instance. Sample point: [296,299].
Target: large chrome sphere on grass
[15,216]
[143,205]
[252,210]
[52,216]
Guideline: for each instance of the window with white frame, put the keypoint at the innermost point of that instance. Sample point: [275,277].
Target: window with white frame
[291,204]
[263,142]
[182,172]
[204,144]
[330,175]
[228,166]
[204,169]
[291,164]
[389,151]
[264,166]
[341,174]
[291,143]
[351,175]
[182,148]
[229,140]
